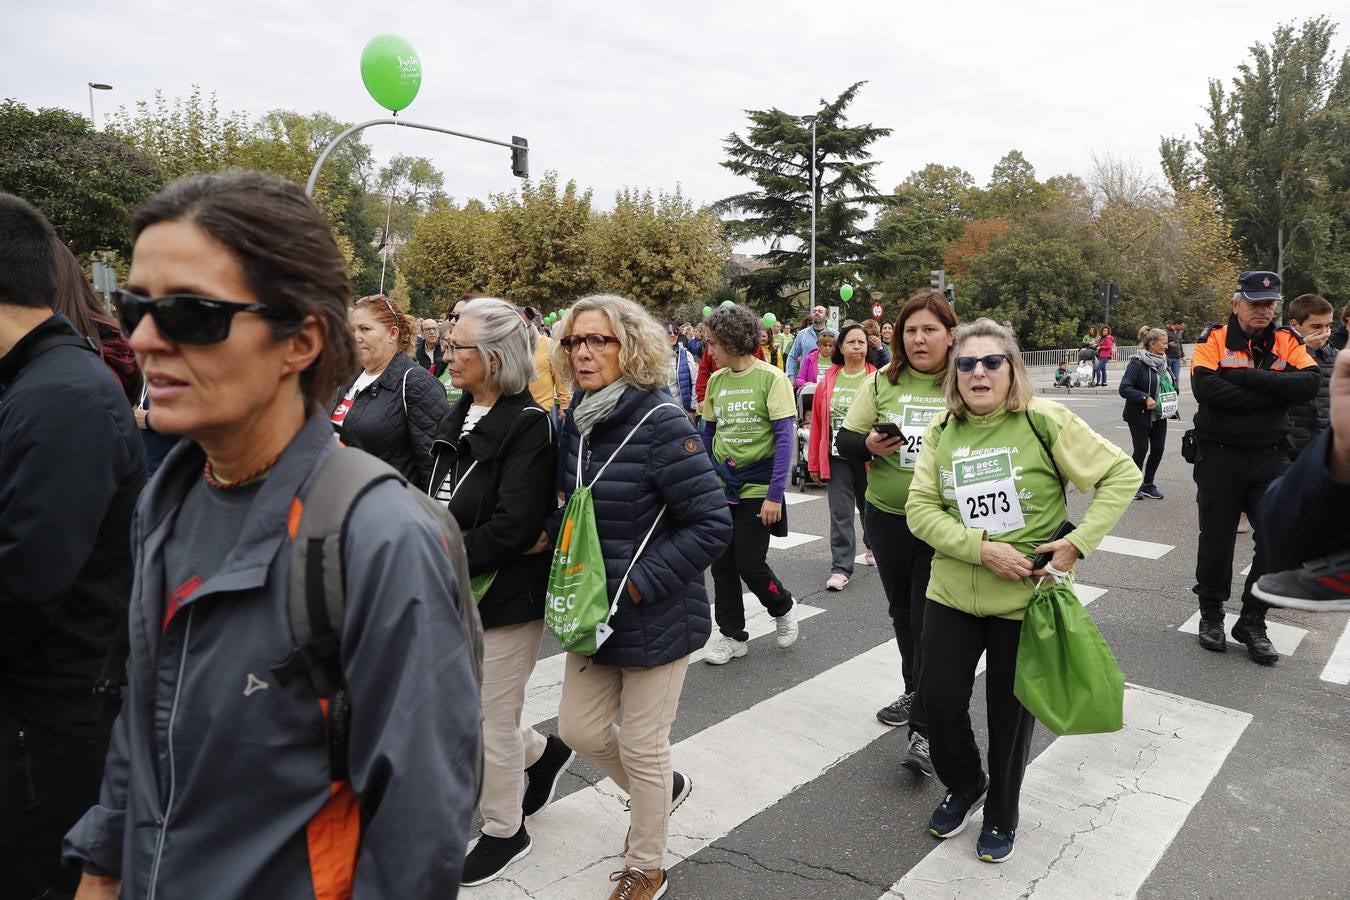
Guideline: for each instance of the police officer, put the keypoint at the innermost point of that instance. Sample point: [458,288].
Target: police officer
[1245,376]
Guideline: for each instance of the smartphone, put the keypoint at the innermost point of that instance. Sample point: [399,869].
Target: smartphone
[890,429]
[1062,531]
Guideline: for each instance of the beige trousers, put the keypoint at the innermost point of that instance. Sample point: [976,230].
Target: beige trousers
[635,754]
[509,655]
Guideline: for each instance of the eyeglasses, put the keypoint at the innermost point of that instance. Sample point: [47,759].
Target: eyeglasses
[456,348]
[453,317]
[188,318]
[593,342]
[992,363]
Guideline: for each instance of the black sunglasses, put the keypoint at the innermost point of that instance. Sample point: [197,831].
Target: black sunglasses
[188,318]
[992,363]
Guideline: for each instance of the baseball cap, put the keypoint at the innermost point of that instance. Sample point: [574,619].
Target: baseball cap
[1259,286]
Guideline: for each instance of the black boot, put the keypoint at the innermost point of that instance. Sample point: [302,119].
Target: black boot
[1211,635]
[1253,634]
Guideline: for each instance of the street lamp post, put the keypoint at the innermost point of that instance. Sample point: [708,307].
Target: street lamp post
[812,120]
[95,86]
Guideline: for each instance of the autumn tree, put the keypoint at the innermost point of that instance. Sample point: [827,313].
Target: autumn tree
[542,243]
[927,211]
[451,252]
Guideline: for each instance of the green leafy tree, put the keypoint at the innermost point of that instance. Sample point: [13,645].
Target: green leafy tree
[542,242]
[775,154]
[84,181]
[928,210]
[1012,189]
[452,252]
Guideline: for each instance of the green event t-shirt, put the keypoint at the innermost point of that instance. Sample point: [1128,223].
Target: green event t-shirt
[744,405]
[452,393]
[912,403]
[845,389]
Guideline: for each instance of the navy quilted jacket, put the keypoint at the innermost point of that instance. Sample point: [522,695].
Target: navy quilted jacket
[663,463]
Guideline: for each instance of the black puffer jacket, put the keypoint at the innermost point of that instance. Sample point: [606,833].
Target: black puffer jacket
[1307,420]
[1139,382]
[377,424]
[663,464]
[505,470]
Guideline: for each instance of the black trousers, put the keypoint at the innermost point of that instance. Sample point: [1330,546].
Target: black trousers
[746,559]
[1230,481]
[904,563]
[48,780]
[1149,440]
[952,644]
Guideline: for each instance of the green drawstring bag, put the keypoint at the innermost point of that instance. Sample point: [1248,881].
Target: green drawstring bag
[577,606]
[1067,676]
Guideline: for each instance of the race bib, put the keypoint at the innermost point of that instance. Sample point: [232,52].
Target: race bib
[836,423]
[913,422]
[1167,404]
[986,492]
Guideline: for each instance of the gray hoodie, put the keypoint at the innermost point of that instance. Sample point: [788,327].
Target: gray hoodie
[218,772]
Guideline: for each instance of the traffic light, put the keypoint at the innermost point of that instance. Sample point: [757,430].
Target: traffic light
[937,279]
[950,291]
[520,157]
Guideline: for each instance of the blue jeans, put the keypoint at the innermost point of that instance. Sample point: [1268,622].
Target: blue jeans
[1101,370]
[1174,366]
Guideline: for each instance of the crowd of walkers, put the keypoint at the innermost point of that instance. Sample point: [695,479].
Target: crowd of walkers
[322,612]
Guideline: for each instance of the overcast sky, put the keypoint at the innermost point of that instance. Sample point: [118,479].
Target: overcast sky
[642,94]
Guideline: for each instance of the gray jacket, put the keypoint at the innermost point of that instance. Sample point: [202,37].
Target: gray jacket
[217,771]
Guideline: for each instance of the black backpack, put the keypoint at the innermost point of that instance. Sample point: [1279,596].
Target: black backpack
[318,598]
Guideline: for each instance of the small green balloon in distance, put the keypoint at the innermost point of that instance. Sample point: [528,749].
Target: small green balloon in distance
[391,71]
[726,303]
[769,320]
[707,311]
[846,292]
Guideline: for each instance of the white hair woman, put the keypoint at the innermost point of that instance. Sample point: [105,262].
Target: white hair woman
[638,452]
[987,494]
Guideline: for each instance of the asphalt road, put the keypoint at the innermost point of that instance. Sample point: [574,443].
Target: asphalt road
[1230,778]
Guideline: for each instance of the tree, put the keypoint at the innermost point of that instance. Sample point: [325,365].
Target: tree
[776,155]
[928,210]
[1012,190]
[541,249]
[658,250]
[1272,151]
[451,253]
[184,136]
[85,182]
[407,188]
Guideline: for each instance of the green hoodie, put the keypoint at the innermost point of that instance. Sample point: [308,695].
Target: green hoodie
[912,402]
[1004,443]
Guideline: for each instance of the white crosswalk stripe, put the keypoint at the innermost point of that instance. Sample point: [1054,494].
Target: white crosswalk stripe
[791,539]
[1337,669]
[1131,547]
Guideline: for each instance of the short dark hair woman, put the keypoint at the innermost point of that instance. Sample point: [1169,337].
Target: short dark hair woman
[391,409]
[987,494]
[638,452]
[220,778]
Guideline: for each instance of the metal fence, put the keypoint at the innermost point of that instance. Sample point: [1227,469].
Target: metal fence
[1048,359]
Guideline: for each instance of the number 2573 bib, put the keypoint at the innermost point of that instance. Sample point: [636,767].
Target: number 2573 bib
[987,492]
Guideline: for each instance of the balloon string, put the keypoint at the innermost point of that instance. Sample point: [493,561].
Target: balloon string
[389,212]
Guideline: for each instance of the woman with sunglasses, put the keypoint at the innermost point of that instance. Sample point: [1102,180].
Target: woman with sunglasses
[836,393]
[392,408]
[988,495]
[220,778]
[661,520]
[884,428]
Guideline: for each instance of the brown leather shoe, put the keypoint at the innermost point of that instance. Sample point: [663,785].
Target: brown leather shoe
[635,884]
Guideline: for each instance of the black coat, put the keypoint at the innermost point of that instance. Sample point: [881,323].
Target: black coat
[663,464]
[71,467]
[377,424]
[505,470]
[1138,383]
[1307,420]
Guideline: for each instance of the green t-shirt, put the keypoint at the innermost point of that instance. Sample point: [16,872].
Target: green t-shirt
[912,403]
[845,389]
[744,405]
[452,393]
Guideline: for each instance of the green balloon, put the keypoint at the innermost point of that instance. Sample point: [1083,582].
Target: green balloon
[726,303]
[391,70]
[707,311]
[846,292]
[769,320]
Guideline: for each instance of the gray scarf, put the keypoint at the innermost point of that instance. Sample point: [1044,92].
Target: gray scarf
[595,407]
[1155,361]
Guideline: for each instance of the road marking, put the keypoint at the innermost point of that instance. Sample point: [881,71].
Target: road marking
[792,499]
[1086,594]
[1131,547]
[1247,571]
[791,539]
[544,690]
[1286,638]
[793,738]
[1097,811]
[1337,669]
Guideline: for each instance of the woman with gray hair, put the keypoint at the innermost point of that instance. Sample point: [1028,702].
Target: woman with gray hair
[492,466]
[661,520]
[1150,400]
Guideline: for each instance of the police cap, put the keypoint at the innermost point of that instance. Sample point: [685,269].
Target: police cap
[1258,286]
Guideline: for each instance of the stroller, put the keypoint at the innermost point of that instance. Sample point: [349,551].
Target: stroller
[801,475]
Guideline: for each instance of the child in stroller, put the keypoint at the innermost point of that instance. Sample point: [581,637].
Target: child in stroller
[800,474]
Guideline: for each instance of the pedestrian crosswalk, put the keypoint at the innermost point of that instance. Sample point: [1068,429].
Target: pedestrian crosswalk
[1337,669]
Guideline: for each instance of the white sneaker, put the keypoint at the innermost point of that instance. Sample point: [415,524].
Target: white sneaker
[836,582]
[868,558]
[722,649]
[787,627]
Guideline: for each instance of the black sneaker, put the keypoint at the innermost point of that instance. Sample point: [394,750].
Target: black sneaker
[897,713]
[1149,492]
[490,857]
[951,816]
[916,758]
[1211,635]
[681,787]
[995,844]
[1320,585]
[1259,647]
[541,779]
